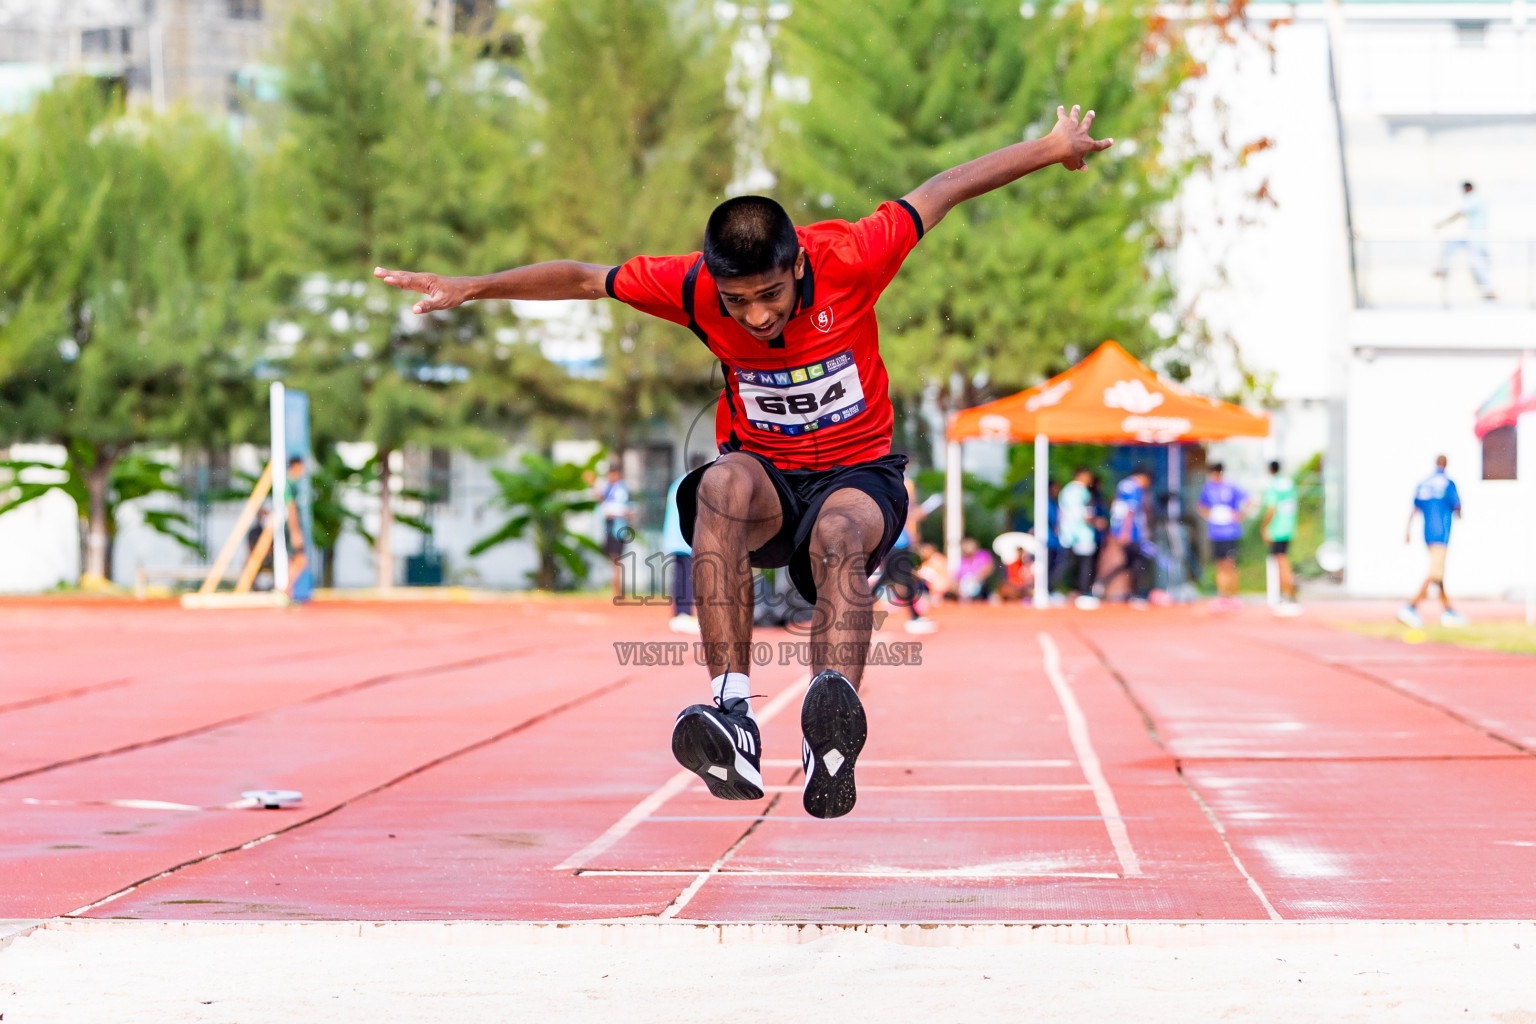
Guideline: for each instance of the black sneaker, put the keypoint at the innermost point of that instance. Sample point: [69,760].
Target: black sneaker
[832,719]
[720,744]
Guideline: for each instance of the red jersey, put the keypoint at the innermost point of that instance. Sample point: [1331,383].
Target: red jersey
[818,395]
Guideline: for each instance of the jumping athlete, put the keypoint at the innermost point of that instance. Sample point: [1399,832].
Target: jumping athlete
[805,478]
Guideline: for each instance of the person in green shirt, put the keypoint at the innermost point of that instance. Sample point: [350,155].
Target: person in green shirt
[1278,528]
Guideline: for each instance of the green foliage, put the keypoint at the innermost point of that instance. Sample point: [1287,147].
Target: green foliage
[135,475]
[540,496]
[1011,284]
[122,260]
[637,151]
[383,156]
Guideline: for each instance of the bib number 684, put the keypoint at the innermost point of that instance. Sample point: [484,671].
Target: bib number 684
[802,402]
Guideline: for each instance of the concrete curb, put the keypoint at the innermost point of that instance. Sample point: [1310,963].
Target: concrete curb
[1374,935]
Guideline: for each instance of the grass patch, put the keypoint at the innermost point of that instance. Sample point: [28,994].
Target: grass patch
[1504,636]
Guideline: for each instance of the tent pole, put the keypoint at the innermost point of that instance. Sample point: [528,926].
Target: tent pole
[954,507]
[1525,452]
[1042,521]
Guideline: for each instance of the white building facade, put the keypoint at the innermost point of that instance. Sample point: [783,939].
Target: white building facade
[1374,116]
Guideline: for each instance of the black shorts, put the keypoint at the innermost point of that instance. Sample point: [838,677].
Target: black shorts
[1221,550]
[1280,547]
[614,533]
[801,494]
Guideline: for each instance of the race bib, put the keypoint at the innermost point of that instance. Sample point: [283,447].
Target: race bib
[803,398]
[1221,515]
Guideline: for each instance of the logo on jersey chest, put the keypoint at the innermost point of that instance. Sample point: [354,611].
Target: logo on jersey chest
[822,321]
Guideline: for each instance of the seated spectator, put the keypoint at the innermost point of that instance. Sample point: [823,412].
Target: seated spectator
[973,578]
[934,571]
[1018,582]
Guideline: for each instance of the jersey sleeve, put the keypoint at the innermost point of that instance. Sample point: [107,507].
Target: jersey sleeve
[653,284]
[886,236]
[1452,498]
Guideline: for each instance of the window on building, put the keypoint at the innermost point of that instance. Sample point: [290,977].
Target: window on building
[1499,454]
[1471,33]
[428,474]
[243,10]
[105,42]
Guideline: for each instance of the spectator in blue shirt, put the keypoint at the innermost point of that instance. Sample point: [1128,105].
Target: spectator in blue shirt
[1222,506]
[1437,501]
[1128,528]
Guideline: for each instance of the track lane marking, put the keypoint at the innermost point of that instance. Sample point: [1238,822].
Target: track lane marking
[1059,762]
[671,788]
[811,873]
[1189,787]
[470,748]
[1088,758]
[253,715]
[956,788]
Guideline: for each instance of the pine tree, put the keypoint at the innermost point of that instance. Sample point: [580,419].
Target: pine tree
[1015,284]
[122,259]
[386,155]
[637,150]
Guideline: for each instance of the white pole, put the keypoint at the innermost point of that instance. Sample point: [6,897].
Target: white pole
[1042,521]
[279,490]
[954,507]
[1525,451]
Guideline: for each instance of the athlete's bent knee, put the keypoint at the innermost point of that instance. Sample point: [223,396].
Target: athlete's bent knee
[837,539]
[725,491]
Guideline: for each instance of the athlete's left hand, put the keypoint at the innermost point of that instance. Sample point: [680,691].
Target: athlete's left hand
[1074,132]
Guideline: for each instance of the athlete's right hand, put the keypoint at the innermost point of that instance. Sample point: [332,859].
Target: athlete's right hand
[440,292]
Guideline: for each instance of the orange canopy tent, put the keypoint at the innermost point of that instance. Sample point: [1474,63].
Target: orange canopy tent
[1107,398]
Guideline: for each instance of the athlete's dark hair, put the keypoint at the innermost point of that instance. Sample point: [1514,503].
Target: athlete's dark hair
[749,235]
[1274,466]
[1215,467]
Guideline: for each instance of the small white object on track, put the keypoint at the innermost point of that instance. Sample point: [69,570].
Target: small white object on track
[272,799]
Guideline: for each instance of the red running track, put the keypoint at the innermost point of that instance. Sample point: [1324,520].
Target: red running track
[498,761]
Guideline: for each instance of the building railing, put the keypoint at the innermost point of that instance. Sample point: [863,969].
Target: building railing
[1444,271]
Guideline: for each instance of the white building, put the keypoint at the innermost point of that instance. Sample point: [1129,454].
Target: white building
[202,53]
[1376,361]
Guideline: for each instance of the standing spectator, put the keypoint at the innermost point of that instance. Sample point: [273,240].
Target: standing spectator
[1222,506]
[681,555]
[898,573]
[614,507]
[1437,501]
[1277,529]
[1076,538]
[1474,239]
[1128,528]
[973,576]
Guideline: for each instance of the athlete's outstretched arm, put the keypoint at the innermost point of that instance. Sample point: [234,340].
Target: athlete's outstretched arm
[558,279]
[1068,144]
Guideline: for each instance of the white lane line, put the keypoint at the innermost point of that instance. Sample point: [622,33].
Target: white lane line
[694,886]
[1077,731]
[865,762]
[981,872]
[673,786]
[956,788]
